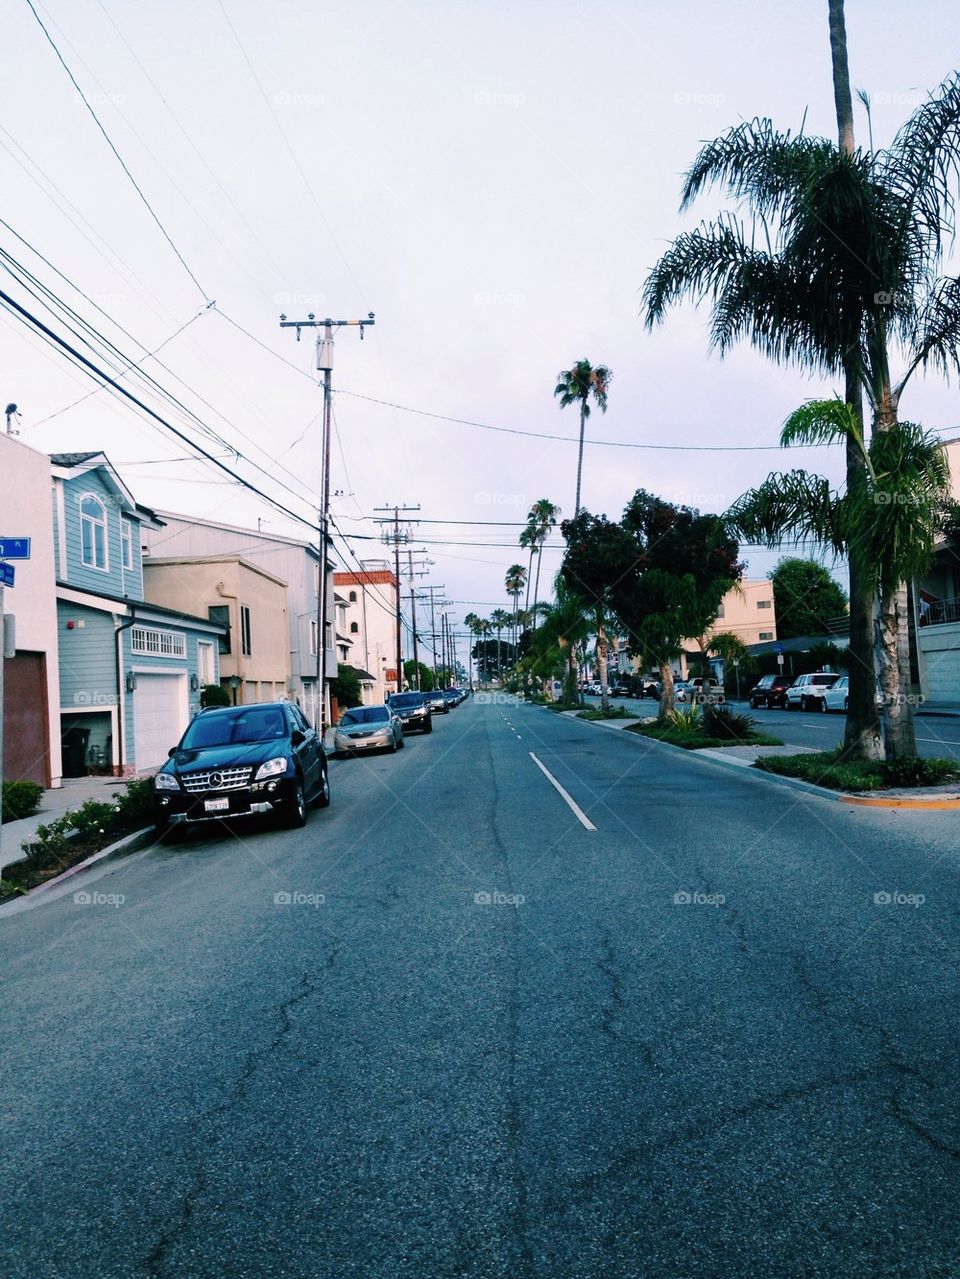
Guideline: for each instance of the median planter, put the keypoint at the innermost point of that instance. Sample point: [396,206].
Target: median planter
[830,769]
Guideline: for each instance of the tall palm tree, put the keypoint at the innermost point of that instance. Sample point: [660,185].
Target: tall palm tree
[541,518]
[564,628]
[578,386]
[852,265]
[499,621]
[514,582]
[888,526]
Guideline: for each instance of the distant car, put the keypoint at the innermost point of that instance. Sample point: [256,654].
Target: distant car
[412,711]
[437,704]
[681,690]
[770,691]
[806,691]
[836,697]
[452,695]
[709,690]
[368,728]
[622,688]
[651,688]
[240,761]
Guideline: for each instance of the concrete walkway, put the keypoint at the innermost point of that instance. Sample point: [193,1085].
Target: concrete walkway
[74,792]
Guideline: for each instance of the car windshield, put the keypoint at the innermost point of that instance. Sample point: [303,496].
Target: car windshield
[244,725]
[366,715]
[402,701]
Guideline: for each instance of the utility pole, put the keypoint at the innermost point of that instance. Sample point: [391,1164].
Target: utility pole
[421,572]
[395,539]
[324,350]
[433,624]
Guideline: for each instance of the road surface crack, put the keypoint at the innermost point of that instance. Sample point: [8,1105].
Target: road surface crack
[253,1061]
[611,1013]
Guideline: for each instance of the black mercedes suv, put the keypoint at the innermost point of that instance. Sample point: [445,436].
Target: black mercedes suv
[239,761]
[413,710]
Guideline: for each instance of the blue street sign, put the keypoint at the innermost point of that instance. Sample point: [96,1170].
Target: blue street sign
[6,574]
[14,548]
[778,648]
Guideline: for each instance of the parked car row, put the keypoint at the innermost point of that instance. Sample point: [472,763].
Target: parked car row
[266,759]
[822,691]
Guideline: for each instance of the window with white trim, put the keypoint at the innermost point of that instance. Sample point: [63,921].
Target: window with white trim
[313,637]
[126,542]
[93,532]
[766,635]
[764,603]
[245,636]
[149,641]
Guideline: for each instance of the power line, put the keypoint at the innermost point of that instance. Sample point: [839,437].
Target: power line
[119,157]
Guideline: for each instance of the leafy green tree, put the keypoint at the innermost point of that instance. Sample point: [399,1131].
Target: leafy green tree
[805,597]
[215,695]
[578,386]
[346,687]
[411,669]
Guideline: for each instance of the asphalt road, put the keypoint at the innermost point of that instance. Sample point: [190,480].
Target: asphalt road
[481,1039]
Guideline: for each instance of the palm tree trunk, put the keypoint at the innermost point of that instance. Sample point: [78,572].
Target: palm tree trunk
[536,587]
[862,733]
[526,602]
[667,702]
[583,422]
[602,666]
[899,729]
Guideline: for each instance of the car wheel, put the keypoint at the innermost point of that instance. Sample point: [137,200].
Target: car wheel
[804,706]
[296,815]
[428,726]
[823,705]
[846,704]
[323,794]
[753,703]
[790,705]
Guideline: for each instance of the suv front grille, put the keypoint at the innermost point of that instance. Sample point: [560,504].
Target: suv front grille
[226,779]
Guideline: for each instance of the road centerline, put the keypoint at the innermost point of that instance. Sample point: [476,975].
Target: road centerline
[577,810]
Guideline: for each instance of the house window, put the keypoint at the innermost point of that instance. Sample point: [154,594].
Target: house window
[245,641]
[313,637]
[147,641]
[205,662]
[353,597]
[766,635]
[126,541]
[720,612]
[221,613]
[354,628]
[764,603]
[93,532]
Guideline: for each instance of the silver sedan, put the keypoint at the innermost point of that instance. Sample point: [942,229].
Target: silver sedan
[368,728]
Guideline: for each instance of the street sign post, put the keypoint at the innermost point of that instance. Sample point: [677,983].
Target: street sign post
[14,548]
[7,574]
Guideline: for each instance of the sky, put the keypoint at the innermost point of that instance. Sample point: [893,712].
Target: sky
[494,181]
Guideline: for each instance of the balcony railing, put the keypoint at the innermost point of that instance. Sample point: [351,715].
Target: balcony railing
[941,611]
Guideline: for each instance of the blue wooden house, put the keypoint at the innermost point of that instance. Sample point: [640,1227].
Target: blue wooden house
[130,672]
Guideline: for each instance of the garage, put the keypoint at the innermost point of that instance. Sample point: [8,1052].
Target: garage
[159,716]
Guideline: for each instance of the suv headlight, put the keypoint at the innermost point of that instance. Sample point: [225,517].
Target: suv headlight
[271,768]
[166,781]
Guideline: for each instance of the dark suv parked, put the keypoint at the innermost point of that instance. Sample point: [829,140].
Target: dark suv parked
[238,761]
[413,711]
[770,691]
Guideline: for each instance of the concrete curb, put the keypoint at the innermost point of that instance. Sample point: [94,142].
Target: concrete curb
[128,843]
[923,800]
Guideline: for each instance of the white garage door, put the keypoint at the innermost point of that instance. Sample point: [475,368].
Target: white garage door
[159,717]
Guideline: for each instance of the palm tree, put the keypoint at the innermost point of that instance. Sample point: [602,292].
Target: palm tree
[564,628]
[514,582]
[854,250]
[888,526]
[577,386]
[541,518]
[499,621]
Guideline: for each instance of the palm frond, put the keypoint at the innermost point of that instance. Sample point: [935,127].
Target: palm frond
[936,338]
[923,162]
[823,422]
[794,504]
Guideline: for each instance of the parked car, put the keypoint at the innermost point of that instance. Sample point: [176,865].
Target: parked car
[836,697]
[452,695]
[622,688]
[651,687]
[681,690]
[436,702]
[240,761]
[806,690]
[412,711]
[770,691]
[709,690]
[366,729]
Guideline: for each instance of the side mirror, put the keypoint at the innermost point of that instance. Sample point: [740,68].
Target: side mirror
[172,751]
[297,738]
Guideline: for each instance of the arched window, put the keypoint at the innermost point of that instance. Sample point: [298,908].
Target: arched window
[354,628]
[93,532]
[353,597]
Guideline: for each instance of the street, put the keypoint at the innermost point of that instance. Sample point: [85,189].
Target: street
[449,1030]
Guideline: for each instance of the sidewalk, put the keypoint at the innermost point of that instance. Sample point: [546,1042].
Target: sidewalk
[74,792]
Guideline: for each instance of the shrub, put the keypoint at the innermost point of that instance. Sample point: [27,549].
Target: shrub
[215,695]
[685,720]
[20,799]
[918,772]
[135,805]
[727,725]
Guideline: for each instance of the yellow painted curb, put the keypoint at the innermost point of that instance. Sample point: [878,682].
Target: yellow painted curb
[875,801]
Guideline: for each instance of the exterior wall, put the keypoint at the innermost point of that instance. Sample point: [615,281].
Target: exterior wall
[939,661]
[193,586]
[373,609]
[293,562]
[115,579]
[26,512]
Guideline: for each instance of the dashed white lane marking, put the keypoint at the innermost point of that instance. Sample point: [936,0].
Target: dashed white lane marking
[578,811]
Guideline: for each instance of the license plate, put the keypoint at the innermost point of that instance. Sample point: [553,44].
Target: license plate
[216,805]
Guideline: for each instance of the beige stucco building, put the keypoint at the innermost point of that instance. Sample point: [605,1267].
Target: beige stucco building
[255,656]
